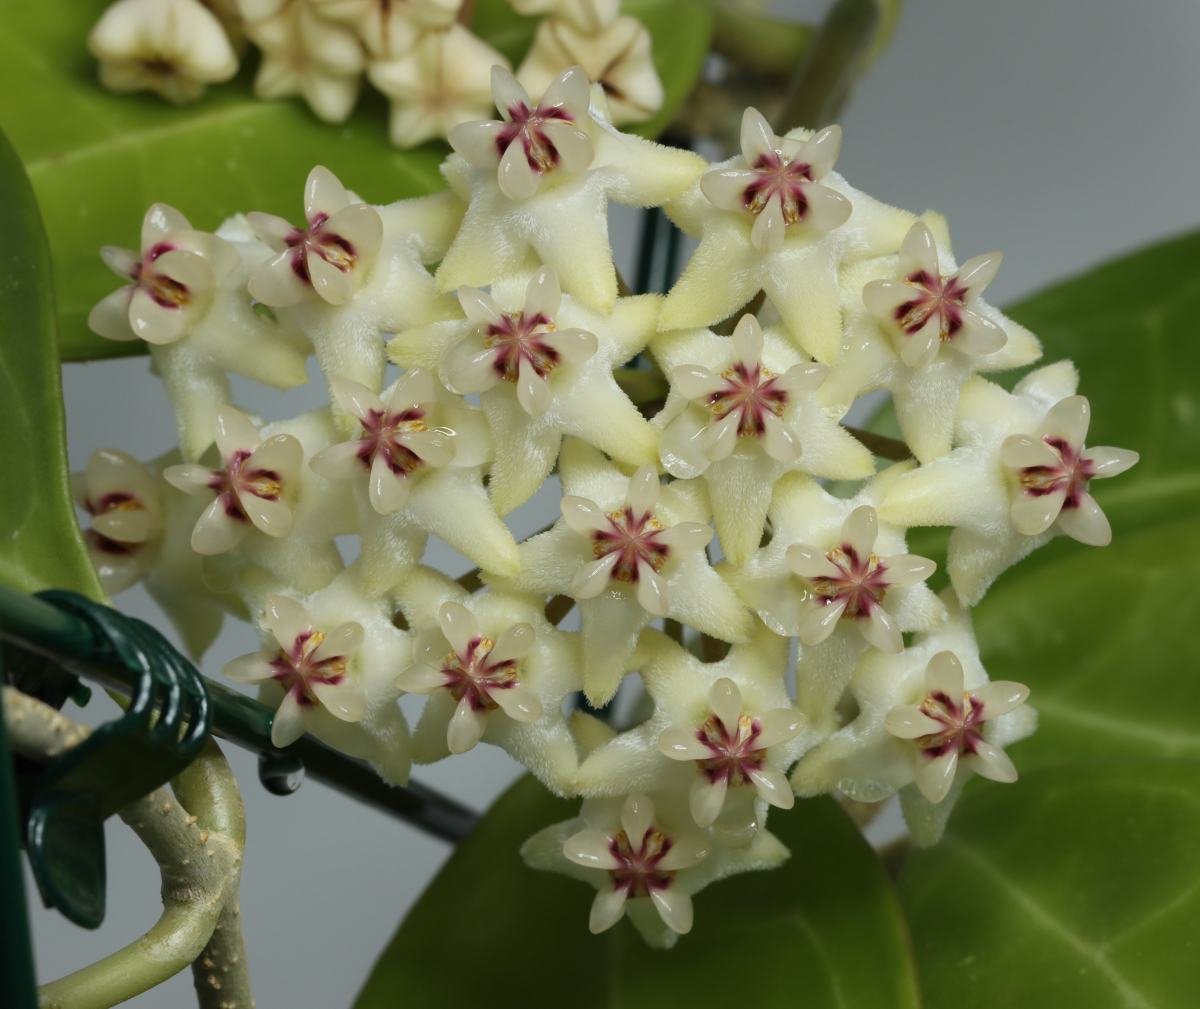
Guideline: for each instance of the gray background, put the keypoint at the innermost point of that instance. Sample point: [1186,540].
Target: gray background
[1061,132]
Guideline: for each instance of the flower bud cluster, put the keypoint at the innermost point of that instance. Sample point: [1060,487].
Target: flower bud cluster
[699,542]
[421,54]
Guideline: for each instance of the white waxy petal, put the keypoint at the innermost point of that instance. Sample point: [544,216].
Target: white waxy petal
[592,848]
[807,561]
[574,147]
[583,515]
[338,462]
[160,220]
[721,437]
[643,491]
[323,194]
[574,346]
[252,668]
[510,97]
[330,283]
[686,538]
[570,91]
[757,137]
[466,727]
[430,647]
[217,531]
[772,785]
[687,849]
[696,382]
[726,187]
[110,317]
[281,454]
[277,284]
[910,722]
[934,777]
[234,432]
[821,151]
[476,373]
[1069,420]
[607,909]
[514,643]
[918,252]
[978,335]
[343,640]
[767,233]
[593,577]
[1000,697]
[533,391]
[420,678]
[271,517]
[802,379]
[153,323]
[944,675]
[680,743]
[779,725]
[361,227]
[884,297]
[478,142]
[725,701]
[880,629]
[747,341]
[274,231]
[460,627]
[991,762]
[637,816]
[919,349]
[652,591]
[354,398]
[827,209]
[517,178]
[344,700]
[435,448]
[543,296]
[1022,451]
[706,798]
[288,725]
[906,569]
[520,703]
[1035,513]
[1086,522]
[818,622]
[415,387]
[861,529]
[125,526]
[479,307]
[388,491]
[780,441]
[1108,461]
[674,906]
[190,478]
[287,620]
[977,272]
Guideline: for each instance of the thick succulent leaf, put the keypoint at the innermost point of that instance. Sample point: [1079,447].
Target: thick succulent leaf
[98,160]
[1074,887]
[826,923]
[42,546]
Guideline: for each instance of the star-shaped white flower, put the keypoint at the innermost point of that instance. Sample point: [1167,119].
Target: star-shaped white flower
[544,367]
[388,28]
[913,722]
[805,582]
[741,414]
[174,47]
[1020,459]
[646,858]
[252,488]
[627,550]
[308,55]
[562,211]
[618,58]
[440,81]
[764,224]
[725,731]
[496,670]
[125,503]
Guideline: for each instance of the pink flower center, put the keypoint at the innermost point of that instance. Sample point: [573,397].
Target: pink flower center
[114,501]
[634,540]
[933,296]
[638,873]
[475,676]
[778,175]
[331,247]
[860,586]
[517,336]
[383,432]
[1071,478]
[296,671]
[166,292]
[233,481]
[734,753]
[963,725]
[750,392]
[525,126]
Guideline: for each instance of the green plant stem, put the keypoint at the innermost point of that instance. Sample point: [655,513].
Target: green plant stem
[763,44]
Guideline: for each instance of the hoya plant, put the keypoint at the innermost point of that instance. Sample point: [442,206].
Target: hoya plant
[761,612]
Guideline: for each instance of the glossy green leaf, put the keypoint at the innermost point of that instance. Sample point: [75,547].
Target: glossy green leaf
[496,933]
[42,546]
[681,30]
[1076,886]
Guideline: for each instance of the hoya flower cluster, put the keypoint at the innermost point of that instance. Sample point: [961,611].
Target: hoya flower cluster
[699,543]
[421,54]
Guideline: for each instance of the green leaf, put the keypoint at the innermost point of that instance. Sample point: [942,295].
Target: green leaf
[1076,886]
[42,546]
[681,31]
[826,924]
